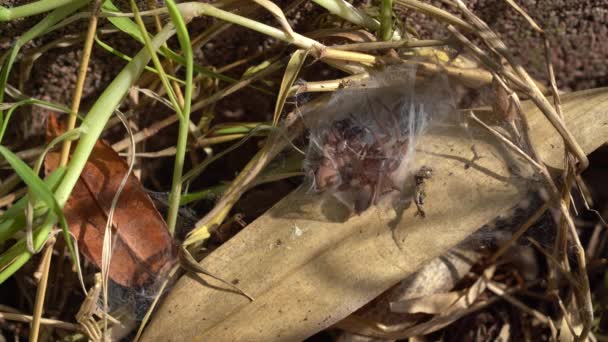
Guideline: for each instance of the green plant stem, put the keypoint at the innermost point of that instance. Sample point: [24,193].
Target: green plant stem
[100,113]
[37,7]
[386,20]
[13,219]
[182,139]
[157,64]
[127,26]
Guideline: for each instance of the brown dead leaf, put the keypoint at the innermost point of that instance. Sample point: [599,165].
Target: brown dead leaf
[143,248]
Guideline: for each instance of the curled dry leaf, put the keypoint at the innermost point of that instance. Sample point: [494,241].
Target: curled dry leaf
[422,292]
[448,308]
[143,248]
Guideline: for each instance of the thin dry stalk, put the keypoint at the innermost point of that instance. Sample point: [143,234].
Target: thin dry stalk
[82,72]
[327,85]
[498,289]
[576,285]
[507,142]
[493,41]
[12,197]
[41,290]
[278,14]
[108,241]
[524,14]
[170,278]
[475,78]
[236,86]
[166,152]
[520,232]
[485,58]
[48,322]
[406,44]
[274,144]
[145,133]
[566,316]
[435,12]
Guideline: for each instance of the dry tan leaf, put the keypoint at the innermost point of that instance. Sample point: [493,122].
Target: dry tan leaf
[306,284]
[586,117]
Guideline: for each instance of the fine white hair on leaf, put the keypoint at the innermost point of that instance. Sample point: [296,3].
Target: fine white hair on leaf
[362,143]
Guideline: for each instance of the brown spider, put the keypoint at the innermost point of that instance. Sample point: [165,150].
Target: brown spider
[355,159]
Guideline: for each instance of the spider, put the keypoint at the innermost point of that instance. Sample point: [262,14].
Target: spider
[354,158]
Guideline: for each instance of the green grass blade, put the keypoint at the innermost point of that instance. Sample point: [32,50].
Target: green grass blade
[386,20]
[348,12]
[38,189]
[93,124]
[119,54]
[182,138]
[13,219]
[16,256]
[33,8]
[21,103]
[162,75]
[124,24]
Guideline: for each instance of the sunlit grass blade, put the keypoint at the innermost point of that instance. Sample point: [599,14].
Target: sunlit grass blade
[182,138]
[33,8]
[349,13]
[289,77]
